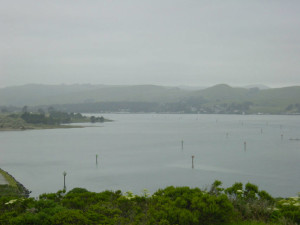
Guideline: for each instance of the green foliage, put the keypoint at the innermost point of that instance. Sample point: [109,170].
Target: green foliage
[7,190]
[183,205]
[251,191]
[12,182]
[40,120]
[77,191]
[11,122]
[216,188]
[289,208]
[250,203]
[263,195]
[57,197]
[235,191]
[34,118]
[70,217]
[97,119]
[173,205]
[13,188]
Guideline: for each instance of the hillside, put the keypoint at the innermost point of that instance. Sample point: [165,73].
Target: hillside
[220,98]
[33,94]
[223,92]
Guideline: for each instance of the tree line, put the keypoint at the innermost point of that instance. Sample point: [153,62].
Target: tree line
[55,117]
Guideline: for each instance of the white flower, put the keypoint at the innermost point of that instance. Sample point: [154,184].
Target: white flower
[297,204]
[286,203]
[239,191]
[272,209]
[11,201]
[146,193]
[129,195]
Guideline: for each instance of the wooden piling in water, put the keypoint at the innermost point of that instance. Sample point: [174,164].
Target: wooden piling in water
[193,161]
[64,173]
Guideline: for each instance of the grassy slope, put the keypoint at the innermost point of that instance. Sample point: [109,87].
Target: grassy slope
[266,101]
[224,93]
[10,189]
[8,123]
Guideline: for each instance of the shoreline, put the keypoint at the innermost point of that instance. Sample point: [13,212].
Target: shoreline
[40,128]
[34,121]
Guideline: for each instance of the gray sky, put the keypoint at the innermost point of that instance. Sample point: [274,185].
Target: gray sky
[164,42]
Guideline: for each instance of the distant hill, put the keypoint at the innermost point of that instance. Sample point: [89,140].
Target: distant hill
[34,94]
[220,98]
[259,86]
[192,88]
[223,92]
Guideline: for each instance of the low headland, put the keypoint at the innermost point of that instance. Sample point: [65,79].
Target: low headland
[40,120]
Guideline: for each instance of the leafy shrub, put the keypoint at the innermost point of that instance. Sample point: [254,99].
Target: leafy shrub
[77,191]
[290,208]
[183,205]
[172,205]
[250,203]
[70,217]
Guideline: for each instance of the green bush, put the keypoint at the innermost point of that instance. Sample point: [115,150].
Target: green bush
[183,205]
[290,208]
[172,205]
[70,217]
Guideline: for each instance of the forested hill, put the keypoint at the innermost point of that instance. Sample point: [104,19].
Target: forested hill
[150,98]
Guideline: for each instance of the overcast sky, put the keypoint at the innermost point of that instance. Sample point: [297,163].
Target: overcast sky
[163,42]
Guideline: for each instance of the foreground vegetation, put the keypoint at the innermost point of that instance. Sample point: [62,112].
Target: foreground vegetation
[239,204]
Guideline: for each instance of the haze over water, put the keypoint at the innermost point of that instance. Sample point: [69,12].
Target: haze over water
[139,151]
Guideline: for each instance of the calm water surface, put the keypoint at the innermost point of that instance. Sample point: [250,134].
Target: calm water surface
[139,151]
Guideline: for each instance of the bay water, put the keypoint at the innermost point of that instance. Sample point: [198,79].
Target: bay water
[154,151]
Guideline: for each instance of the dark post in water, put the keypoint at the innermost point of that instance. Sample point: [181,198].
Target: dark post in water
[193,161]
[97,159]
[245,146]
[64,173]
[182,145]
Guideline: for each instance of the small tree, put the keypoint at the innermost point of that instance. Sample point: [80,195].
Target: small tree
[93,119]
